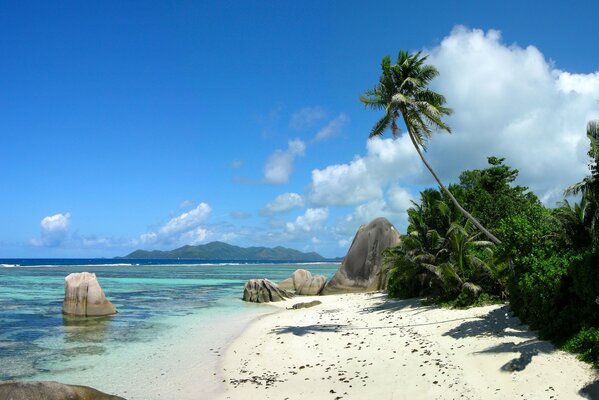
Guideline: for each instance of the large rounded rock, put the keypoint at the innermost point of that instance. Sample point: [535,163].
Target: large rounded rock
[360,270]
[84,297]
[304,283]
[264,291]
[13,390]
[312,286]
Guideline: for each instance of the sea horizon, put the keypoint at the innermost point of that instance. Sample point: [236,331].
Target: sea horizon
[119,261]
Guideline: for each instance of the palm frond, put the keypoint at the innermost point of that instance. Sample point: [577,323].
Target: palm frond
[380,126]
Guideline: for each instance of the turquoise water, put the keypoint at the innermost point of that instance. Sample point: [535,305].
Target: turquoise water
[37,341]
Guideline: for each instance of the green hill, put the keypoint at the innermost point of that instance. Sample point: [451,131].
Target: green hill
[224,251]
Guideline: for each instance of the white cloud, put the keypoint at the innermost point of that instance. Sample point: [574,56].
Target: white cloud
[54,230]
[399,199]
[283,202]
[194,236]
[312,220]
[509,101]
[56,223]
[364,213]
[332,128]
[186,221]
[186,228]
[364,178]
[306,117]
[279,165]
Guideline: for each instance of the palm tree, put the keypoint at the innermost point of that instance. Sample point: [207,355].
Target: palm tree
[588,209]
[576,220]
[462,258]
[402,92]
[588,186]
[417,255]
[425,260]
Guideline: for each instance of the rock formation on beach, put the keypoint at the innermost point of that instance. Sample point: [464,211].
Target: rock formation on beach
[360,269]
[264,291]
[308,304]
[84,297]
[304,283]
[13,390]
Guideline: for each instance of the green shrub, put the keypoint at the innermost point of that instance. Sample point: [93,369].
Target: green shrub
[586,345]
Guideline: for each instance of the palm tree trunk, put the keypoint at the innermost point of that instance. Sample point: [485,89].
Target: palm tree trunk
[453,199]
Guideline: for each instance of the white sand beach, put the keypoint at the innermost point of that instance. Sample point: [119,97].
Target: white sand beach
[365,346]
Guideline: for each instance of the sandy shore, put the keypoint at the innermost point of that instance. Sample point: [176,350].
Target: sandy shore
[364,346]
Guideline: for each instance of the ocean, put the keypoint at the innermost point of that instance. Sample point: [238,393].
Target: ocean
[162,304]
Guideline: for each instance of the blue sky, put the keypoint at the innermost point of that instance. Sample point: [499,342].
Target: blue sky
[128,125]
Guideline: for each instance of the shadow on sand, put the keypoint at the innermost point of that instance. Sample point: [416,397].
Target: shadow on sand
[382,303]
[502,324]
[590,391]
[308,329]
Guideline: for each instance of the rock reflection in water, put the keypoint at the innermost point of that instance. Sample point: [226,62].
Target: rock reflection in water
[85,329]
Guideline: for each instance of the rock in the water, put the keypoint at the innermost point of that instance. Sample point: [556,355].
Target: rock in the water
[264,291]
[304,283]
[360,270]
[84,297]
[32,390]
[308,304]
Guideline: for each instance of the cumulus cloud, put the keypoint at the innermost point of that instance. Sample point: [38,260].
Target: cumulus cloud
[365,177]
[186,228]
[511,102]
[306,117]
[279,165]
[508,101]
[282,203]
[312,220]
[54,230]
[332,128]
[399,199]
[394,209]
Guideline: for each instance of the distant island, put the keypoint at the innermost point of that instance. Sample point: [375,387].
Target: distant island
[224,251]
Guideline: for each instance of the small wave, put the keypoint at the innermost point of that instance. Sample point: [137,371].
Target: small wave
[318,262]
[66,265]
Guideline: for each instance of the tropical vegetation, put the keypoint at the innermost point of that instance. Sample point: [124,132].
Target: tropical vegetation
[544,261]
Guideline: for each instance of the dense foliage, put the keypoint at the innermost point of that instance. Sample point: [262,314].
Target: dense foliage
[442,255]
[546,264]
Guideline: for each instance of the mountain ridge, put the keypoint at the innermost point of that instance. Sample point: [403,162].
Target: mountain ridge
[224,251]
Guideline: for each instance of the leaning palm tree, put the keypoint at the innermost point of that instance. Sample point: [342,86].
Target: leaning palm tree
[402,92]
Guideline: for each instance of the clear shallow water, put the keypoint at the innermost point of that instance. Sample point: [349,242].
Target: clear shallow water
[154,301]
